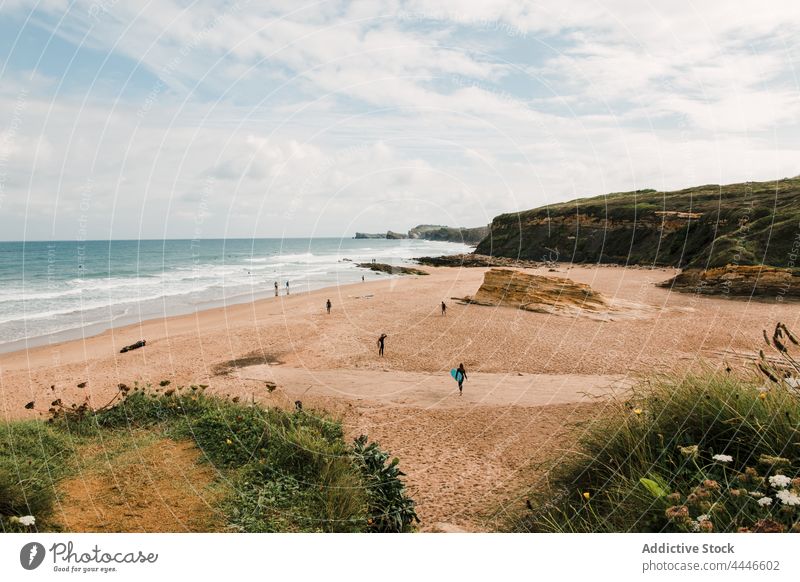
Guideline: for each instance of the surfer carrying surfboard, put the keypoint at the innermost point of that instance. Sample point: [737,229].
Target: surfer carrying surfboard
[461,375]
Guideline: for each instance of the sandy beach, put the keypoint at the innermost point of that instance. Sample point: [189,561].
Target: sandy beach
[533,377]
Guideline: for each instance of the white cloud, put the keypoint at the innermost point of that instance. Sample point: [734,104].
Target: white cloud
[284,118]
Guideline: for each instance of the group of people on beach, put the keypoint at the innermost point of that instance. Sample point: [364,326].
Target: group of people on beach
[460,373]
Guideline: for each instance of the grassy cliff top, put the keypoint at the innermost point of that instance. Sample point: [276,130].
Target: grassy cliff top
[705,226]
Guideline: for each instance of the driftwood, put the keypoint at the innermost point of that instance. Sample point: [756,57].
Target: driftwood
[136,346]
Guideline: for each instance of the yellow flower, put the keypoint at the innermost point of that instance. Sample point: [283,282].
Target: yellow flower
[586,495]
[228,441]
[763,395]
[637,411]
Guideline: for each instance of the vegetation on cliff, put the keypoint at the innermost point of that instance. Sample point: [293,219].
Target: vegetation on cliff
[703,227]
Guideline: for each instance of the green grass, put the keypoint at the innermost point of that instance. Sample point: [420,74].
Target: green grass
[649,467]
[33,457]
[283,471]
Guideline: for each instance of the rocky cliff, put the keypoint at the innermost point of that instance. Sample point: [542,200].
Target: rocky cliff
[449,234]
[703,227]
[435,232]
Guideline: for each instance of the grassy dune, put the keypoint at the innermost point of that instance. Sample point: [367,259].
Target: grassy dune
[696,453]
[273,470]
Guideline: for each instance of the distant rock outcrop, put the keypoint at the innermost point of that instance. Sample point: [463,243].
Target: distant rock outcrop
[391,269]
[434,232]
[510,288]
[449,234]
[739,280]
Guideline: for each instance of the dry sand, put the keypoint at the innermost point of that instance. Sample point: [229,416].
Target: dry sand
[469,457]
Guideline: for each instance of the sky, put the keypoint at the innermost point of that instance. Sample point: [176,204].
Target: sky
[212,119]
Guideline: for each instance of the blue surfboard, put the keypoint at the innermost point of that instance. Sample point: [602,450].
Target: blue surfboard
[455,374]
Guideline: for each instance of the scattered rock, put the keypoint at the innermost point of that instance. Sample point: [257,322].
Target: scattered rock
[474,260]
[391,269]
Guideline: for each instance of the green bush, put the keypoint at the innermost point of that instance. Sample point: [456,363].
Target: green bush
[650,465]
[390,508]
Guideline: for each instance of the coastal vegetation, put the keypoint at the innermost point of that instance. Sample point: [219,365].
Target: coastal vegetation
[712,451]
[274,470]
[751,223]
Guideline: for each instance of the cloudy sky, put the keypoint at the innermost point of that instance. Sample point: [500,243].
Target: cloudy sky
[181,119]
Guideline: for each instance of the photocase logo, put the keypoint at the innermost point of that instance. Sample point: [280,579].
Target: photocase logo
[31,555]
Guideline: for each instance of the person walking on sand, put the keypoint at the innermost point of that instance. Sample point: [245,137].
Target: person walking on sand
[461,375]
[328,306]
[380,344]
[444,308]
[276,288]
[287,287]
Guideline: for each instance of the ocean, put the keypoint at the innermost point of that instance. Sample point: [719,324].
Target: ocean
[53,291]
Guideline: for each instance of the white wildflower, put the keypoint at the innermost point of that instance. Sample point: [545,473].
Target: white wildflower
[756,494]
[703,517]
[779,481]
[723,458]
[694,525]
[765,501]
[788,497]
[27,520]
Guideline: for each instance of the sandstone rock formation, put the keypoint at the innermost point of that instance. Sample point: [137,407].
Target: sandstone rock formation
[739,280]
[510,288]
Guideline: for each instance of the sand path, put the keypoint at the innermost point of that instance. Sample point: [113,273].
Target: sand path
[425,390]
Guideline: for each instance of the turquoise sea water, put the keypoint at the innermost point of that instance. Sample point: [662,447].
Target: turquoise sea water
[59,290]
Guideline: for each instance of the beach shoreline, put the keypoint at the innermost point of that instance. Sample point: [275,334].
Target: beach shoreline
[533,376]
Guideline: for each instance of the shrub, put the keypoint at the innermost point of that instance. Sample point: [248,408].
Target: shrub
[281,471]
[648,465]
[390,508]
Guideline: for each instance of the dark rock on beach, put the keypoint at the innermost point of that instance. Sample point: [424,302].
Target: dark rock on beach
[476,260]
[391,269]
